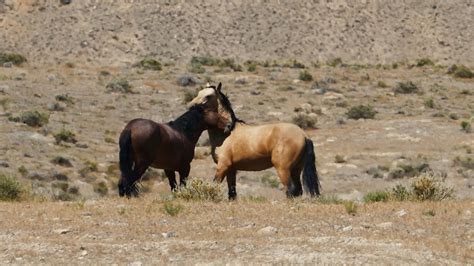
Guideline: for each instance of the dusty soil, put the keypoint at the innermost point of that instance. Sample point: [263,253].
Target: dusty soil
[76,50]
[138,231]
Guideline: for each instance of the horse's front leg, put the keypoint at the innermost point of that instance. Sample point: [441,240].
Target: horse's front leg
[231,184]
[183,174]
[171,178]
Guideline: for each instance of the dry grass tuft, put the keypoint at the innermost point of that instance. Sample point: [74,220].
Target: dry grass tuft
[199,190]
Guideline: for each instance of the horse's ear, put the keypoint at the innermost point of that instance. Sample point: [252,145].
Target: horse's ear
[219,87]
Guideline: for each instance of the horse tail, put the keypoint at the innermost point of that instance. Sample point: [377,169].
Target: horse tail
[310,173]
[125,158]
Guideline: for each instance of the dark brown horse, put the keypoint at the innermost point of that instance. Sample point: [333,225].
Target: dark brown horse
[144,143]
[254,148]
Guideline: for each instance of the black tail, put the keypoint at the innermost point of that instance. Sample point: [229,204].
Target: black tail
[126,161]
[310,174]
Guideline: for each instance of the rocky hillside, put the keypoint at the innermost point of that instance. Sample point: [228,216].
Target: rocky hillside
[114,32]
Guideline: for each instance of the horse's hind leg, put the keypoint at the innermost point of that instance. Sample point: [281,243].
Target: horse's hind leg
[183,175]
[138,171]
[295,189]
[171,178]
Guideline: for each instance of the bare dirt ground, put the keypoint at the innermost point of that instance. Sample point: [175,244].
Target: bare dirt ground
[139,232]
[76,50]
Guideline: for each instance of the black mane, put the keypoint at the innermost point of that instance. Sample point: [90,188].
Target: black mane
[190,122]
[228,106]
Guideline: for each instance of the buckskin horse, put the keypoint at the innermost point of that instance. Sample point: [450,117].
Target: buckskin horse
[245,147]
[144,143]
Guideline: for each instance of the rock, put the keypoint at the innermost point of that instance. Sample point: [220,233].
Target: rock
[169,234]
[188,80]
[65,2]
[84,253]
[82,145]
[255,92]
[58,106]
[7,64]
[401,213]
[269,230]
[4,89]
[60,176]
[21,76]
[4,164]
[385,225]
[62,231]
[51,77]
[347,228]
[241,80]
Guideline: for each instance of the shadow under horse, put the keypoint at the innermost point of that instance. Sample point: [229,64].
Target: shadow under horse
[245,147]
[145,143]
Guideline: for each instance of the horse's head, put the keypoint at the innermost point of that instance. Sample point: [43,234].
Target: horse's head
[212,99]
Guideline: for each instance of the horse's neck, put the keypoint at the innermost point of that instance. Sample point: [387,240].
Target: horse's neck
[195,137]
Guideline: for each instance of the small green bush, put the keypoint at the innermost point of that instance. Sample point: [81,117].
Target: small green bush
[204,61]
[305,76]
[406,87]
[382,84]
[329,199]
[10,188]
[16,59]
[62,185]
[119,85]
[65,98]
[424,62]
[335,62]
[305,121]
[252,68]
[465,162]
[430,212]
[461,71]
[65,136]
[89,167]
[361,111]
[35,118]
[101,188]
[201,191]
[172,209]
[400,193]
[339,159]
[351,207]
[196,68]
[60,160]
[150,64]
[377,196]
[429,103]
[466,126]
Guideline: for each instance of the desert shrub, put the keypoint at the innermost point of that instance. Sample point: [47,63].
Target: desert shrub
[252,67]
[89,167]
[5,103]
[65,98]
[305,76]
[400,193]
[270,180]
[33,118]
[150,64]
[196,68]
[230,63]
[408,170]
[294,64]
[62,161]
[305,121]
[424,62]
[377,196]
[428,186]
[339,159]
[119,85]
[335,62]
[172,209]
[23,171]
[10,188]
[329,199]
[361,111]
[101,188]
[406,87]
[460,71]
[200,190]
[62,185]
[466,126]
[382,84]
[204,61]
[465,162]
[65,136]
[351,207]
[429,103]
[16,59]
